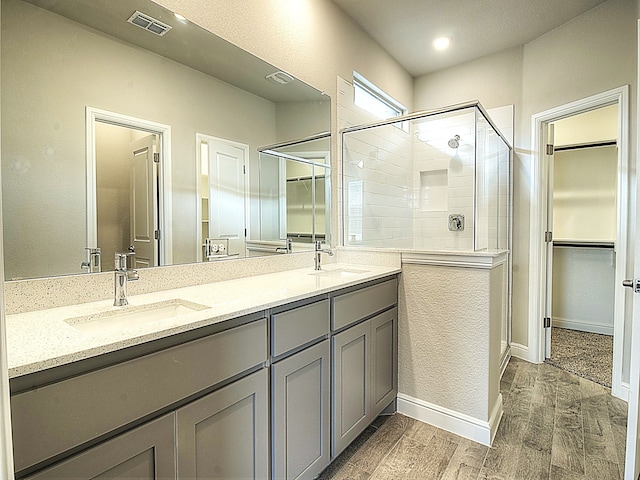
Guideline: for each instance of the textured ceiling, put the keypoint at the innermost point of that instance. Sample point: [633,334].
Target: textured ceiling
[406,28]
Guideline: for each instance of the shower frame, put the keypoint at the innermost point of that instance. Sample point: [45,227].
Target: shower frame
[478,109]
[475,104]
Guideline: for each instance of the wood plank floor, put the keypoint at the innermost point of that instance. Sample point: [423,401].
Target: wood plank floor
[555,426]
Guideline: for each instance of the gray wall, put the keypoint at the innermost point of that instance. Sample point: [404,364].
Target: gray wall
[55,68]
[591,54]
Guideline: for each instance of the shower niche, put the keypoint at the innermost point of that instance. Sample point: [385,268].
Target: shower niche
[403,178]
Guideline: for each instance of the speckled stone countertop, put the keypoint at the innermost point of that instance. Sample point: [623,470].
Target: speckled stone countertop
[44,338]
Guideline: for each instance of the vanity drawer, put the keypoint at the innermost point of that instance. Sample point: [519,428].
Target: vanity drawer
[301,325]
[52,419]
[353,306]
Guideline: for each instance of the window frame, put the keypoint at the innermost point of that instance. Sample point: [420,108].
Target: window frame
[360,82]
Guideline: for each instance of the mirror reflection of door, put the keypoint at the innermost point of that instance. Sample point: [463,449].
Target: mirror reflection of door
[143,205]
[222,209]
[127,190]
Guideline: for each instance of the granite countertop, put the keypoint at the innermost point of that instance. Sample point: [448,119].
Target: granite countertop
[45,338]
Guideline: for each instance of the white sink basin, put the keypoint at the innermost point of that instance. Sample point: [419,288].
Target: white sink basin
[339,272]
[132,316]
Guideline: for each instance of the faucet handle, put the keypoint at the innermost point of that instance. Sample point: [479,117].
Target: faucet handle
[121,260]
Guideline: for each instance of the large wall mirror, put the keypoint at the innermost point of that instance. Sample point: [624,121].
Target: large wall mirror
[123,125]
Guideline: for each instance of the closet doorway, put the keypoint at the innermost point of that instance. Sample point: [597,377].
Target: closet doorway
[583,199]
[541,311]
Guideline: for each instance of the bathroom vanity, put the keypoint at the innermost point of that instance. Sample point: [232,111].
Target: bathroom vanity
[274,386]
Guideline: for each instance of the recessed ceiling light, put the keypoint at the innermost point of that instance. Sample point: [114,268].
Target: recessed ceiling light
[441,43]
[180,17]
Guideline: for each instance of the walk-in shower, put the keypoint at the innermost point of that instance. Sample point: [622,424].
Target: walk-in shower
[435,188]
[429,181]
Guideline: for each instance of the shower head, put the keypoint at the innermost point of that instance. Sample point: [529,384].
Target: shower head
[455,141]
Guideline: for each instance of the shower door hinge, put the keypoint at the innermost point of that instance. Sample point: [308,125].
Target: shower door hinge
[548,237]
[550,149]
[156,234]
[156,157]
[546,321]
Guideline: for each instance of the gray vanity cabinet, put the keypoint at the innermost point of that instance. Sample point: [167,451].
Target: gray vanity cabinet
[301,382]
[226,433]
[364,352]
[58,419]
[145,453]
[351,385]
[384,363]
[301,413]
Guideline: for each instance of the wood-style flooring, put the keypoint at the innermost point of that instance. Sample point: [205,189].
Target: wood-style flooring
[555,426]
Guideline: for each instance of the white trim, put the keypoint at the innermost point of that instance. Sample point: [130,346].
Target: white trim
[592,327]
[452,259]
[506,356]
[463,425]
[632,453]
[624,391]
[538,221]
[6,445]
[245,148]
[166,201]
[520,351]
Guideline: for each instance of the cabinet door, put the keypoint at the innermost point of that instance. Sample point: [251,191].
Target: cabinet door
[351,405]
[301,409]
[384,365]
[146,452]
[225,434]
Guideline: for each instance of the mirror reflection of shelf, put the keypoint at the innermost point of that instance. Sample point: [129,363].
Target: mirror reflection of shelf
[584,243]
[306,237]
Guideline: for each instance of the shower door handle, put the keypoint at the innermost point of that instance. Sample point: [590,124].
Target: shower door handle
[635,284]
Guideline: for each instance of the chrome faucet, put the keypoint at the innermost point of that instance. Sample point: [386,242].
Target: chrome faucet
[319,250]
[122,276]
[288,248]
[92,263]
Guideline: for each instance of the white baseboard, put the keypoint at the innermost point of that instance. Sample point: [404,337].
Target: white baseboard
[521,351]
[505,361]
[468,427]
[621,391]
[602,328]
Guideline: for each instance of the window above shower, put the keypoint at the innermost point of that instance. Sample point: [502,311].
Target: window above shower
[374,100]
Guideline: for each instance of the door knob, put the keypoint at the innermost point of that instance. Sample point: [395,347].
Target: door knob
[635,284]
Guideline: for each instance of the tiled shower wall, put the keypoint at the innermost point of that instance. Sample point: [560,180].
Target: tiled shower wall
[377,179]
[453,192]
[402,183]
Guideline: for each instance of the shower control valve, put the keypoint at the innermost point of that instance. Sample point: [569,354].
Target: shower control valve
[456,222]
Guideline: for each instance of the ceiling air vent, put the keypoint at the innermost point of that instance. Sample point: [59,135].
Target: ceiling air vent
[150,24]
[279,78]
